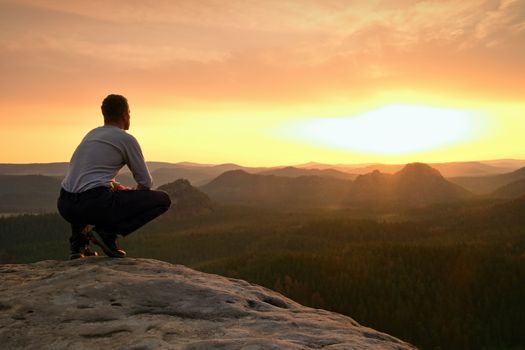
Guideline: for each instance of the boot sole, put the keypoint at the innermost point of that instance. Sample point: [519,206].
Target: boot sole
[100,242]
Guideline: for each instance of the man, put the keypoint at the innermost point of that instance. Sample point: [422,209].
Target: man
[97,207]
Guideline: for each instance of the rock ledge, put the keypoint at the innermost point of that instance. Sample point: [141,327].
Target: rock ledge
[102,303]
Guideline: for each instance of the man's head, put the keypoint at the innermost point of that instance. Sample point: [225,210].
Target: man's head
[115,109]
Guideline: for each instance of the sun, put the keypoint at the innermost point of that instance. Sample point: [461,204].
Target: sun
[394,129]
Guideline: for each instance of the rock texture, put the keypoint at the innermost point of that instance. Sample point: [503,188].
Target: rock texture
[102,303]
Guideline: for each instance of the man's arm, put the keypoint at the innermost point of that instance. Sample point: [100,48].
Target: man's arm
[137,164]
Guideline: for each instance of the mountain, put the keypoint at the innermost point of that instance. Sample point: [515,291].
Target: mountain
[374,187]
[238,186]
[421,184]
[186,200]
[485,185]
[296,172]
[452,169]
[28,193]
[102,303]
[416,184]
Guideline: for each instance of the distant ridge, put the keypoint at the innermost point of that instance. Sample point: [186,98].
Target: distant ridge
[290,171]
[512,190]
[238,186]
[485,185]
[447,169]
[416,184]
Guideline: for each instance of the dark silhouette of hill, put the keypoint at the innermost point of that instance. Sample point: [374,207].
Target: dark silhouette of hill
[240,187]
[374,187]
[291,171]
[450,169]
[421,184]
[28,193]
[485,185]
[417,184]
[186,200]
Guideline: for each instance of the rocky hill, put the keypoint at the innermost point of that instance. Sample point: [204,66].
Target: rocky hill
[420,184]
[186,200]
[415,185]
[103,303]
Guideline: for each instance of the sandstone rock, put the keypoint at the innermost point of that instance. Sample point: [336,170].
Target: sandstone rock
[186,200]
[103,303]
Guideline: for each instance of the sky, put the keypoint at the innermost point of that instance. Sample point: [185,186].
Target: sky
[263,83]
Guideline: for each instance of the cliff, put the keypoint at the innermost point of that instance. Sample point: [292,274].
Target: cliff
[102,303]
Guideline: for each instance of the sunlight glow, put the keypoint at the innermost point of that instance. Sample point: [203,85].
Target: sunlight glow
[396,129]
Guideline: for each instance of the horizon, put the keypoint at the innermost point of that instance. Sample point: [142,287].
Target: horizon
[486,161]
[263,84]
[305,163]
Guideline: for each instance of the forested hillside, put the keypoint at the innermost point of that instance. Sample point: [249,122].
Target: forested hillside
[454,278]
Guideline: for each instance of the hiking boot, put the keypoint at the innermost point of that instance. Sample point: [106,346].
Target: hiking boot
[77,245]
[74,256]
[88,252]
[108,243]
[78,253]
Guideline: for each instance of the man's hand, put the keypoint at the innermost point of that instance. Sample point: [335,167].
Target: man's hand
[115,186]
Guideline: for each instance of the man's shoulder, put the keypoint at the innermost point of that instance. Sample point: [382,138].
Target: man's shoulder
[110,131]
[113,135]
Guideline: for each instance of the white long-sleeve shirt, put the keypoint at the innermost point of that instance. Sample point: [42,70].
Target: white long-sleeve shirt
[100,156]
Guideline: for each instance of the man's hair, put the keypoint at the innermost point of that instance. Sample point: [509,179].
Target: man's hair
[114,107]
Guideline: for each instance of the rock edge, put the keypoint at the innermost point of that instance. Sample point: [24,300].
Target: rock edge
[103,303]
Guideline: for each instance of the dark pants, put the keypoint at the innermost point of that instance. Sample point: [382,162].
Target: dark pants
[119,212]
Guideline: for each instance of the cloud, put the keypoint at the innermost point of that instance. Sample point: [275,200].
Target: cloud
[272,51]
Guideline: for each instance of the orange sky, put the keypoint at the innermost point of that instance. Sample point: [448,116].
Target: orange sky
[236,81]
